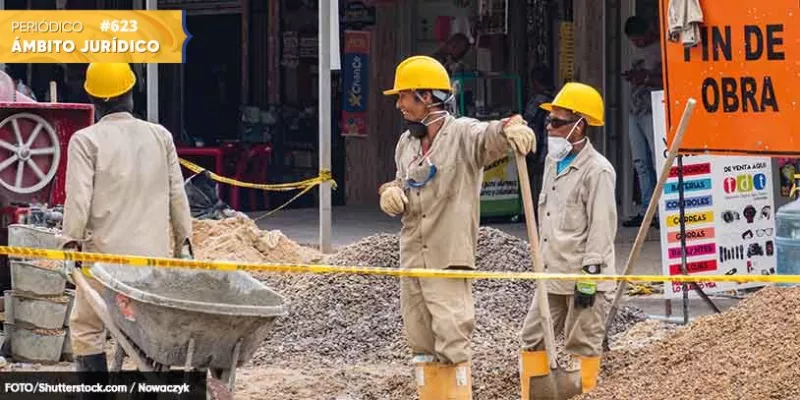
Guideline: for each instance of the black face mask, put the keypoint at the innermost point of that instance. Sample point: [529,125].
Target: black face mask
[416,129]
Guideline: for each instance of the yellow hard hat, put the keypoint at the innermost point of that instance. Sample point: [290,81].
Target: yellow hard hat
[420,72]
[109,80]
[582,99]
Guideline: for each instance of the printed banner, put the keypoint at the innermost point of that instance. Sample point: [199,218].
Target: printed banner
[743,74]
[85,36]
[500,181]
[787,168]
[728,213]
[355,81]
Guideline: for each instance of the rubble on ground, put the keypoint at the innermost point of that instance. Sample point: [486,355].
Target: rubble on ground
[747,352]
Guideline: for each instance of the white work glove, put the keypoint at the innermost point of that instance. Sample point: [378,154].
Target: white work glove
[519,135]
[393,201]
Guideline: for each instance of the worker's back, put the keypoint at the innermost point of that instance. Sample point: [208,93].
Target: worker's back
[124,186]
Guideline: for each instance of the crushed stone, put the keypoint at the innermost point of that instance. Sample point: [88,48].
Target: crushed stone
[347,319]
[747,352]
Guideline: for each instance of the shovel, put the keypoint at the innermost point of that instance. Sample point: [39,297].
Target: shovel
[558,384]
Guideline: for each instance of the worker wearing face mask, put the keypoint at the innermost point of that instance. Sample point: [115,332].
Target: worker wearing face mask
[578,222]
[440,161]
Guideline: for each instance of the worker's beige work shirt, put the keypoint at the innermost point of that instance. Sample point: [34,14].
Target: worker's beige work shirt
[440,224]
[124,188]
[578,218]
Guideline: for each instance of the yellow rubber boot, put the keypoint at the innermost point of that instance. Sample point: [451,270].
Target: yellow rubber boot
[590,369]
[532,364]
[456,381]
[428,380]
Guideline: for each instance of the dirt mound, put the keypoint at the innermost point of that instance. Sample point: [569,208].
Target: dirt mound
[748,352]
[240,239]
[352,319]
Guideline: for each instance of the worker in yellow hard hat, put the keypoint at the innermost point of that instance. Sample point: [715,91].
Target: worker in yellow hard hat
[124,193]
[440,161]
[578,223]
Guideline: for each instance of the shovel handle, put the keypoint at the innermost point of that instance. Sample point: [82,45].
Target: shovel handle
[536,258]
[651,209]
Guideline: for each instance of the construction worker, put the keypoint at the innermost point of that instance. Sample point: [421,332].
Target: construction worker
[578,215]
[124,192]
[440,161]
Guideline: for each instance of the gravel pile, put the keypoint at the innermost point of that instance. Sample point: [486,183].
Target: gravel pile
[748,352]
[347,319]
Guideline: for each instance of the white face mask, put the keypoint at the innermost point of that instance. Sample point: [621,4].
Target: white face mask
[558,148]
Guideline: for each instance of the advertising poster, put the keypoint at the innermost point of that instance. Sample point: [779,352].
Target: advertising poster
[788,168]
[500,193]
[355,83]
[729,215]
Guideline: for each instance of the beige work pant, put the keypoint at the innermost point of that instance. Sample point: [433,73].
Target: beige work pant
[86,330]
[584,328]
[438,317]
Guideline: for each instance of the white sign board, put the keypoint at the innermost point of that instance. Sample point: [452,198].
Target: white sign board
[729,212]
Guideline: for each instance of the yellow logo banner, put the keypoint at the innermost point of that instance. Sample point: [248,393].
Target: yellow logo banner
[51,36]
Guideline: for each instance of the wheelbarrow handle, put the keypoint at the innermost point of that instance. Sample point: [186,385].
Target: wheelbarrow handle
[536,258]
[99,307]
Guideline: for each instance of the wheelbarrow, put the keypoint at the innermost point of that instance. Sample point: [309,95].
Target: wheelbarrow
[170,317]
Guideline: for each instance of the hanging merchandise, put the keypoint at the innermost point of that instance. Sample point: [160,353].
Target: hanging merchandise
[355,82]
[566,52]
[493,17]
[685,17]
[539,32]
[290,55]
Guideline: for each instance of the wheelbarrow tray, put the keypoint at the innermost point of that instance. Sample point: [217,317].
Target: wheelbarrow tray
[161,309]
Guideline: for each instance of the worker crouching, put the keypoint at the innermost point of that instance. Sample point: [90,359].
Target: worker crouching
[124,193]
[578,220]
[440,161]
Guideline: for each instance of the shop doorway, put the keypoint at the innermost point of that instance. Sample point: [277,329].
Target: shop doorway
[212,78]
[649,10]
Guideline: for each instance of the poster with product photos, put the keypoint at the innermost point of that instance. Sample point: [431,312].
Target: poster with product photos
[728,211]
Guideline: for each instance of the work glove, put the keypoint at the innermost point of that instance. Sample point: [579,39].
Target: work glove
[519,135]
[585,290]
[393,201]
[70,266]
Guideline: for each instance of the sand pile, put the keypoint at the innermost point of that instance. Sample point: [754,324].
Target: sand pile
[240,239]
[748,352]
[349,319]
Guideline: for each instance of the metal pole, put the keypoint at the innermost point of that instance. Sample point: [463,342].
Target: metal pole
[324,100]
[684,271]
[152,79]
[682,213]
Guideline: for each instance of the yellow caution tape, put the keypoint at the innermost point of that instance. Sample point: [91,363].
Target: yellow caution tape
[324,176]
[306,185]
[139,261]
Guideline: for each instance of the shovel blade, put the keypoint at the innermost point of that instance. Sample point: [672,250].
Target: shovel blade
[558,385]
[569,383]
[544,388]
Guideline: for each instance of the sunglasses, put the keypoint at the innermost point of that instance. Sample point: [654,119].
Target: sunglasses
[558,122]
[763,232]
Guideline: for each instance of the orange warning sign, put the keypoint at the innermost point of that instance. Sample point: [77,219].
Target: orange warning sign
[745,76]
